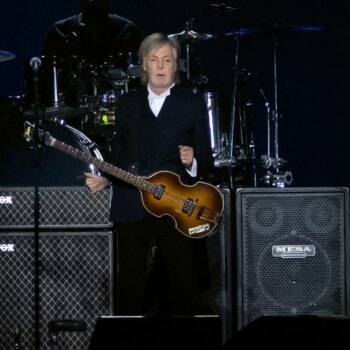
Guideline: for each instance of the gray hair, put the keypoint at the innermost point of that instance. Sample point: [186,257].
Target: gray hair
[155,41]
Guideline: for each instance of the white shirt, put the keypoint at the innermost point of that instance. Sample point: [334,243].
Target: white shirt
[156,103]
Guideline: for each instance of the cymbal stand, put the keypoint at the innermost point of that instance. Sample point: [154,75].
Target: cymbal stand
[226,157]
[188,76]
[188,29]
[275,178]
[55,89]
[234,98]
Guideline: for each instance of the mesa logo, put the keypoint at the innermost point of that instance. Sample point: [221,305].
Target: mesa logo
[293,251]
[5,199]
[7,247]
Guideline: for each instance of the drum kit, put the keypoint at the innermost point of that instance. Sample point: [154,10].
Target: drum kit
[84,96]
[235,148]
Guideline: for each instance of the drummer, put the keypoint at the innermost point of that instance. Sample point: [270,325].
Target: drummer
[94,34]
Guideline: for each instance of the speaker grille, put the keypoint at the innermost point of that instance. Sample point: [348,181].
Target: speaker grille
[64,207]
[75,283]
[292,252]
[219,295]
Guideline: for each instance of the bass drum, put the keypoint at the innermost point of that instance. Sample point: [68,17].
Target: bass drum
[54,168]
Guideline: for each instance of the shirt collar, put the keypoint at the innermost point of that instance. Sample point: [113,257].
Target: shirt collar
[164,94]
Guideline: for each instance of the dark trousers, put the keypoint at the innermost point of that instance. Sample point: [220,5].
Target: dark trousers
[157,265]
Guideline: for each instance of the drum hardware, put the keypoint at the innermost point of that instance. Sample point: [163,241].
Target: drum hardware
[51,70]
[55,89]
[134,71]
[105,117]
[109,99]
[277,178]
[114,74]
[222,7]
[231,141]
[188,35]
[186,38]
[236,34]
[6,56]
[278,28]
[214,126]
[57,113]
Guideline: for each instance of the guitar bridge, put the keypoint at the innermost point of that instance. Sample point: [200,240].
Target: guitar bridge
[158,193]
[189,206]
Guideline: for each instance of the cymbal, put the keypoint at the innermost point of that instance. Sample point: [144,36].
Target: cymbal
[190,35]
[235,33]
[58,112]
[6,56]
[287,28]
[242,32]
[273,29]
[221,6]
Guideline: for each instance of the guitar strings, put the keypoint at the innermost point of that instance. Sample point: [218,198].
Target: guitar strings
[175,199]
[180,201]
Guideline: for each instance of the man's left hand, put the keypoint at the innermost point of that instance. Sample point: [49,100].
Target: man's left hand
[186,155]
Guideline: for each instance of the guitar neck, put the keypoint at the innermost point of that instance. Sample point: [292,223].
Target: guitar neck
[121,174]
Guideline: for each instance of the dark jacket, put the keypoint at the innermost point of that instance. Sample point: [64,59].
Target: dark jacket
[145,144]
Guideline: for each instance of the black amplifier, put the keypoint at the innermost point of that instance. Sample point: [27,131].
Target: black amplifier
[60,207]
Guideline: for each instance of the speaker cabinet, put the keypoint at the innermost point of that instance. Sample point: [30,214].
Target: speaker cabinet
[60,207]
[75,283]
[219,244]
[292,252]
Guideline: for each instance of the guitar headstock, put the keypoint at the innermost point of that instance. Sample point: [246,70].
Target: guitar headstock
[42,135]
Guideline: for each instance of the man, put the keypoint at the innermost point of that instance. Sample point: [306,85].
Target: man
[162,128]
[90,51]
[95,33]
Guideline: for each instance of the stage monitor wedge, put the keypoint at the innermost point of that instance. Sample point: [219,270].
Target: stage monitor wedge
[157,333]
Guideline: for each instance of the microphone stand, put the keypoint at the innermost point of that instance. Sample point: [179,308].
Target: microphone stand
[37,155]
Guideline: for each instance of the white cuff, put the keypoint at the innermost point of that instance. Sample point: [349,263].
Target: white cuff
[193,170]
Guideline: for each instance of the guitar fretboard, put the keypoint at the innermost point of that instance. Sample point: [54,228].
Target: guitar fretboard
[121,174]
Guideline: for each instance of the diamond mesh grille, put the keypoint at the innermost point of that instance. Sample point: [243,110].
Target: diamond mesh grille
[219,250]
[219,295]
[273,285]
[75,283]
[63,207]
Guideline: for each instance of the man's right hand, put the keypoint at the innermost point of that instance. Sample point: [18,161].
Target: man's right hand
[96,183]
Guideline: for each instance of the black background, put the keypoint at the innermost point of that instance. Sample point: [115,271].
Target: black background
[313,67]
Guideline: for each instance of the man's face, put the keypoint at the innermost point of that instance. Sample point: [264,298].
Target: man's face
[160,67]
